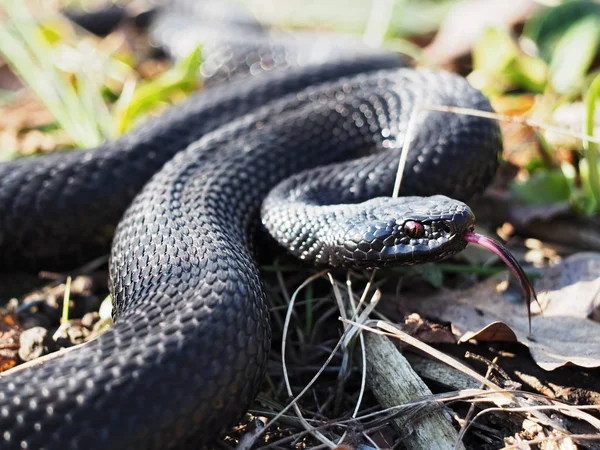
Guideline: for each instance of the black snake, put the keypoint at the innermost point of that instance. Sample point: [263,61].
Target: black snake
[187,353]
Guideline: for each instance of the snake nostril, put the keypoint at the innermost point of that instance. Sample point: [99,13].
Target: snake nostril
[446,227]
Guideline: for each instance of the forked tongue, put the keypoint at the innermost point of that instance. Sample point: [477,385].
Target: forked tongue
[510,261]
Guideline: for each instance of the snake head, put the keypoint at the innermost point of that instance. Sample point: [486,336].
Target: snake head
[402,231]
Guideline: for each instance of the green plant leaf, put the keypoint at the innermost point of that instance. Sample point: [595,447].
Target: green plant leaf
[529,73]
[501,65]
[574,54]
[583,199]
[494,51]
[549,25]
[148,95]
[543,187]
[24,45]
[589,170]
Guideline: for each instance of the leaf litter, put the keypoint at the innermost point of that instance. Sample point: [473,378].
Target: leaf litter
[562,332]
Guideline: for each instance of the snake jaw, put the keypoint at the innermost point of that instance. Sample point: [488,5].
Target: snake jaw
[402,232]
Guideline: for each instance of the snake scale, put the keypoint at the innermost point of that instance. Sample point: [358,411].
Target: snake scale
[189,346]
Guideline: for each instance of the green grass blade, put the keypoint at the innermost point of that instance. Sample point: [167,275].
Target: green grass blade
[90,92]
[19,58]
[134,101]
[66,300]
[23,45]
[591,148]
[33,38]
[574,54]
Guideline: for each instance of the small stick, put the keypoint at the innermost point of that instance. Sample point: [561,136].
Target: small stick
[393,382]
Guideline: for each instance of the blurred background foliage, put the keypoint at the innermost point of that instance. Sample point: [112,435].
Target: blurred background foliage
[536,60]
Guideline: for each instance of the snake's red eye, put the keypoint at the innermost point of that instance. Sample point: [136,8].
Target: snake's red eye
[414,229]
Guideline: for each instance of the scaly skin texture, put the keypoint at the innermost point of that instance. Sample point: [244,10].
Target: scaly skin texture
[60,210]
[379,232]
[188,349]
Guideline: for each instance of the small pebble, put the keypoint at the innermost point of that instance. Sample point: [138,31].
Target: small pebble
[35,342]
[90,319]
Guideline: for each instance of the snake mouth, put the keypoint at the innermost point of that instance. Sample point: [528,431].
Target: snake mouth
[410,241]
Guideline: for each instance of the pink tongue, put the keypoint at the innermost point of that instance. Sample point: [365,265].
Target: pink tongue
[510,261]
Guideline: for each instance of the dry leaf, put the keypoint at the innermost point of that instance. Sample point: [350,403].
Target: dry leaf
[556,341]
[9,341]
[564,335]
[572,287]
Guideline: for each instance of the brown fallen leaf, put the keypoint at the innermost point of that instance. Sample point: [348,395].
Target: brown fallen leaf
[425,331]
[484,312]
[572,287]
[24,113]
[10,330]
[556,341]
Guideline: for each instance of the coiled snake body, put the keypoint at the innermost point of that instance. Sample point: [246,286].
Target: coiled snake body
[187,353]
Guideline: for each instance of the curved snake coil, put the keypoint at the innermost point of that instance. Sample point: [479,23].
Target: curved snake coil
[190,343]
